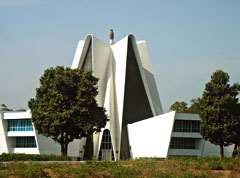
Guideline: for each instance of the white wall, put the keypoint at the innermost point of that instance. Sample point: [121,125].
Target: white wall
[210,149]
[3,130]
[145,59]
[17,115]
[76,149]
[47,145]
[25,150]
[20,133]
[151,137]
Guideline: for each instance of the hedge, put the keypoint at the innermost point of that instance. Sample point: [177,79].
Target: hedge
[32,157]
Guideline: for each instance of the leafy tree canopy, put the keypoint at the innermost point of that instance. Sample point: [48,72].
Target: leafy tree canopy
[3,107]
[179,107]
[65,107]
[182,107]
[218,110]
[195,106]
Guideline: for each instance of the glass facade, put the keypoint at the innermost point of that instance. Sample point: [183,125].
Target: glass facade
[186,126]
[182,143]
[25,142]
[106,150]
[20,125]
[106,140]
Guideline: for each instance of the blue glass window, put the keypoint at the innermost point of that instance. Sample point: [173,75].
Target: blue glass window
[20,125]
[25,142]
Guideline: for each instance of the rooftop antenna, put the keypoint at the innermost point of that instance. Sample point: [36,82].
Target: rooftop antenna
[111,36]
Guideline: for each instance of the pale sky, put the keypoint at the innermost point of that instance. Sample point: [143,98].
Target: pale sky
[187,41]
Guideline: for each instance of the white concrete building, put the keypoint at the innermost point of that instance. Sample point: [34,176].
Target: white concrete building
[128,91]
[171,134]
[17,135]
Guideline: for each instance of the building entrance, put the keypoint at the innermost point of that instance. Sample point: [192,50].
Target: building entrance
[106,150]
[107,155]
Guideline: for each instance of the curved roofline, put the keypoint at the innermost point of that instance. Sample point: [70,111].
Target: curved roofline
[91,36]
[130,36]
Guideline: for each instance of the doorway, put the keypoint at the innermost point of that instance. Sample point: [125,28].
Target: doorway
[106,154]
[106,149]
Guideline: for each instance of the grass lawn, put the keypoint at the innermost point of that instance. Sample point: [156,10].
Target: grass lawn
[174,167]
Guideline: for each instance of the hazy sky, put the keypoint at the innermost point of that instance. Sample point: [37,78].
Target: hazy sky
[187,40]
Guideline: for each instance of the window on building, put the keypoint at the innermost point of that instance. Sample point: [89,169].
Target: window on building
[182,143]
[106,150]
[20,125]
[186,126]
[25,142]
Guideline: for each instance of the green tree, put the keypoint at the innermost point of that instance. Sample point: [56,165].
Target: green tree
[218,110]
[195,106]
[65,107]
[180,107]
[234,130]
[3,107]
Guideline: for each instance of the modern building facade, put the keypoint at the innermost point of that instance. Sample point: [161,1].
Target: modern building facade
[17,132]
[17,135]
[128,91]
[171,134]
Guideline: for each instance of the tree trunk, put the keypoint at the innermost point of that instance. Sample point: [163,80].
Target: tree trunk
[64,149]
[221,152]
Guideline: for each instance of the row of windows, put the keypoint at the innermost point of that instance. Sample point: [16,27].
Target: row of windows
[186,126]
[182,143]
[25,142]
[20,125]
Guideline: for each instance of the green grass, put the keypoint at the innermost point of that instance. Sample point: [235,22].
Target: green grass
[209,167]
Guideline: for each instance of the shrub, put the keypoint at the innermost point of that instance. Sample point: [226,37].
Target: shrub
[2,166]
[31,157]
[215,165]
